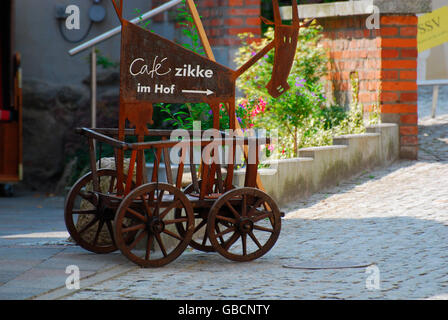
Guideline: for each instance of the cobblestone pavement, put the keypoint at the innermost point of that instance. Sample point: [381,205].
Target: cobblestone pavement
[396,218]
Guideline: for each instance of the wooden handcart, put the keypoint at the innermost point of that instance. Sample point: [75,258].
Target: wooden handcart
[152,222]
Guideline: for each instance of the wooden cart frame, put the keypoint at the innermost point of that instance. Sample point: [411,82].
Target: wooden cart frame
[153,222]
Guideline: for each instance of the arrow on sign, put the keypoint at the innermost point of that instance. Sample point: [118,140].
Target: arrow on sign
[208,92]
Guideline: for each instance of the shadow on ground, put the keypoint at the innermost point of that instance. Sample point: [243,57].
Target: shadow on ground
[412,258]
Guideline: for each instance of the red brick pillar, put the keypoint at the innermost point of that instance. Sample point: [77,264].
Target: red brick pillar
[399,79]
[224,19]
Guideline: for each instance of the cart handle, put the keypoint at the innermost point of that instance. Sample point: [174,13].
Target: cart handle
[103,138]
[161,144]
[152,132]
[182,143]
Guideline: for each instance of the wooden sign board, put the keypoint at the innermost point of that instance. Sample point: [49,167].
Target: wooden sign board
[154,69]
[432,29]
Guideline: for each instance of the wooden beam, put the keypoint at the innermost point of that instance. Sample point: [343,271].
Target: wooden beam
[201,31]
[209,53]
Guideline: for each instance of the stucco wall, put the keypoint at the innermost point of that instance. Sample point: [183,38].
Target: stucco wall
[44,51]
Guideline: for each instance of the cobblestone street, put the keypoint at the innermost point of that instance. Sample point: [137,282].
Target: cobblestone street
[395,218]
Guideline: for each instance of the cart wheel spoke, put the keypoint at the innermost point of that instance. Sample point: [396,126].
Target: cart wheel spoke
[263,229]
[172,234]
[168,209]
[235,213]
[87,226]
[255,206]
[146,206]
[231,241]
[98,231]
[134,228]
[150,201]
[161,246]
[204,239]
[218,231]
[148,246]
[226,219]
[220,234]
[180,220]
[137,215]
[244,242]
[137,239]
[200,225]
[92,211]
[255,240]
[88,196]
[262,216]
[160,199]
[111,231]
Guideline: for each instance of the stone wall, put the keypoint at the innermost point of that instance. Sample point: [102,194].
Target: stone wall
[51,113]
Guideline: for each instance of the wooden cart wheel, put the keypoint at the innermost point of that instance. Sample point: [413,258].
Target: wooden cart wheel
[81,201]
[202,215]
[151,205]
[245,214]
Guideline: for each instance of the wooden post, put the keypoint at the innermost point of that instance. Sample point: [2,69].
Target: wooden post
[201,31]
[209,52]
[93,87]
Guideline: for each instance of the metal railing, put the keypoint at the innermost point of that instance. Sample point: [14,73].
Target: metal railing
[435,91]
[105,36]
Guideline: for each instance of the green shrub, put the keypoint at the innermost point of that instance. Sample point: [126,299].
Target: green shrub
[300,116]
[297,114]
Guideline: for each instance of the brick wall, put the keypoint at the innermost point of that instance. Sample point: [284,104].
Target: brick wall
[225,19]
[160,17]
[353,48]
[386,63]
[399,76]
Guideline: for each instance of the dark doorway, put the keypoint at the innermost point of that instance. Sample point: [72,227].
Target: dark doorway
[5,53]
[10,101]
